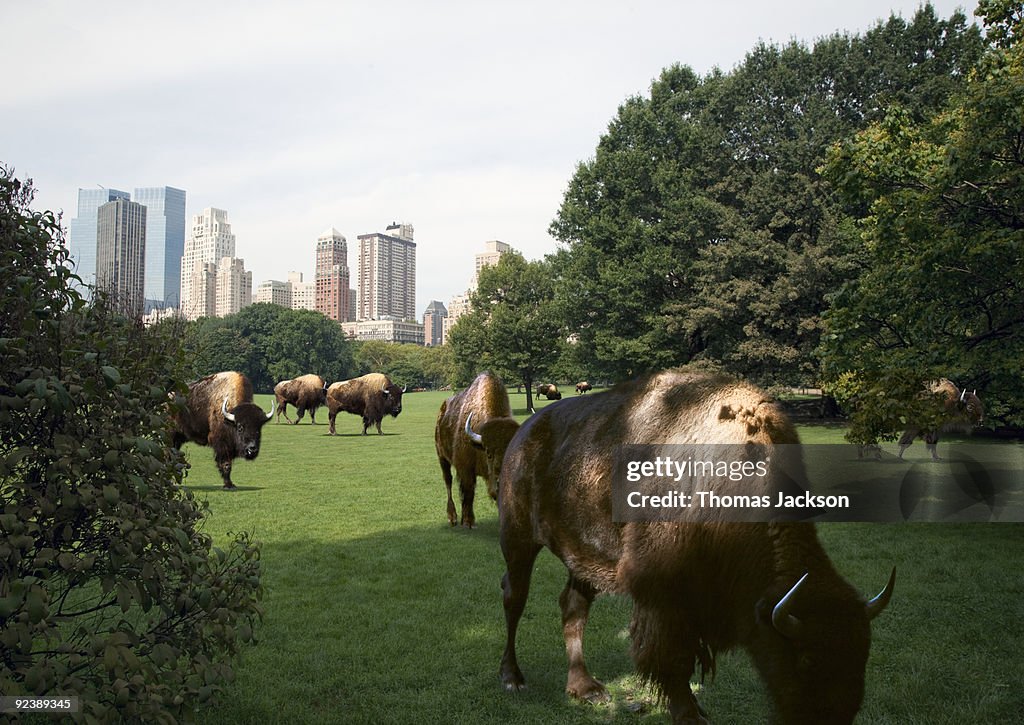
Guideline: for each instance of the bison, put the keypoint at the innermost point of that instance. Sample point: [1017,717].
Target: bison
[371,396]
[307,392]
[549,391]
[699,586]
[219,412]
[473,429]
[961,411]
[583,387]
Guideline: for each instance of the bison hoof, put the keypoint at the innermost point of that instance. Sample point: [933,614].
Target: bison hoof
[589,690]
[230,487]
[513,681]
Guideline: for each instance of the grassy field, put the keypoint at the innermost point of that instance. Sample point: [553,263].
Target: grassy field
[378,612]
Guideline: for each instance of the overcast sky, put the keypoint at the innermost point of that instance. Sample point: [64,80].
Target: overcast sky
[465,119]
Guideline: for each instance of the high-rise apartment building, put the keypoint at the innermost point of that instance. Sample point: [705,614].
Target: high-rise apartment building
[121,253]
[303,294]
[234,286]
[213,281]
[433,323]
[165,243]
[273,291]
[489,258]
[332,276]
[387,274]
[82,242]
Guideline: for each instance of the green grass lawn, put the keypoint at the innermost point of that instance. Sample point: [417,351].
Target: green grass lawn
[378,612]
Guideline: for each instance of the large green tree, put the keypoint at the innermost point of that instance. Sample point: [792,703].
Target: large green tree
[942,293]
[513,328]
[701,229]
[109,588]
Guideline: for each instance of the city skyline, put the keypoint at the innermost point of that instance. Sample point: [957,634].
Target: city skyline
[469,120]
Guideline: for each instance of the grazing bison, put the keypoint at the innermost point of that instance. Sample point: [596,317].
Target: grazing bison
[961,411]
[307,392]
[219,412]
[549,391]
[371,396]
[473,429]
[700,586]
[583,387]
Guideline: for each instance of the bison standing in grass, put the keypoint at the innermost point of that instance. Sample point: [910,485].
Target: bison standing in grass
[549,391]
[473,429]
[307,392]
[583,387]
[699,586]
[219,412]
[371,396]
[961,411]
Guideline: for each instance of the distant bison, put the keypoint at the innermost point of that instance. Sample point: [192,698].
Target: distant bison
[307,392]
[549,391]
[583,387]
[699,585]
[371,396]
[219,412]
[473,429]
[961,411]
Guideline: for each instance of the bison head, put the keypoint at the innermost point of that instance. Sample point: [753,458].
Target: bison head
[813,648]
[970,407]
[494,436]
[247,420]
[393,399]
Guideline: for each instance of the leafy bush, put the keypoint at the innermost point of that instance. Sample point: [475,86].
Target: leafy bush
[109,589]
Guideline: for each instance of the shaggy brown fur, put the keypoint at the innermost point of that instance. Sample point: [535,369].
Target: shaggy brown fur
[231,435]
[306,392]
[371,396]
[487,401]
[962,412]
[699,587]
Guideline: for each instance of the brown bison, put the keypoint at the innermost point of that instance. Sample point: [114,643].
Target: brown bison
[371,396]
[307,392]
[583,387]
[473,429]
[219,412]
[961,411]
[699,586]
[549,391]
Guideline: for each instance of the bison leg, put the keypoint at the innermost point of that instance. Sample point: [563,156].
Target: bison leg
[515,587]
[575,600]
[331,415]
[283,409]
[366,424]
[299,416]
[446,472]
[931,440]
[665,650]
[224,466]
[467,492]
[907,438]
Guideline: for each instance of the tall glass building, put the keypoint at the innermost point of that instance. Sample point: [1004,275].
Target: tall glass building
[82,244]
[165,244]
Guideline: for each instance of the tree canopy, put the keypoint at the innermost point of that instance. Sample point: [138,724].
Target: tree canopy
[702,230]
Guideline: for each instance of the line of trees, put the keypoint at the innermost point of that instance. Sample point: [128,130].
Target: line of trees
[846,215]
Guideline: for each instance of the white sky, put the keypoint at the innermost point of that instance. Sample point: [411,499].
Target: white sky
[466,119]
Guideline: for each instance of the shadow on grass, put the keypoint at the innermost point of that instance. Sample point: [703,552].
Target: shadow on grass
[407,625]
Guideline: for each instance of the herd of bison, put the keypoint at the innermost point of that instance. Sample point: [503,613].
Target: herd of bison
[699,586]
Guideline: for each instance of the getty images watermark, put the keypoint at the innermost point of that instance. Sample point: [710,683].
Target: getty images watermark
[749,483]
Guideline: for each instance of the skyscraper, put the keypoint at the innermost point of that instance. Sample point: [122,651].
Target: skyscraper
[121,253]
[433,323]
[208,264]
[332,276]
[165,243]
[387,274]
[82,243]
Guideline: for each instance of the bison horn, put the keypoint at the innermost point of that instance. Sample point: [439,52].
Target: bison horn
[877,605]
[475,437]
[272,406]
[788,625]
[224,410]
[404,387]
[963,395]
